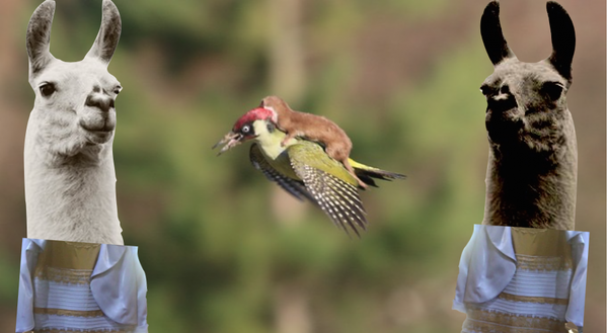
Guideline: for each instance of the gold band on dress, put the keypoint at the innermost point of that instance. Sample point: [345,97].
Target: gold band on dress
[63,275]
[53,330]
[479,326]
[536,263]
[533,299]
[67,262]
[71,313]
[500,322]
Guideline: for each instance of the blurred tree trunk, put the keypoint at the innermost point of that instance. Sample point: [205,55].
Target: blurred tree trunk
[13,117]
[288,81]
[292,309]
[287,68]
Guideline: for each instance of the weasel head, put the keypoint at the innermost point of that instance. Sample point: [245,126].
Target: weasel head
[277,106]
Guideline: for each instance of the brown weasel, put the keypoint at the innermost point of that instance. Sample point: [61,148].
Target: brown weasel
[314,128]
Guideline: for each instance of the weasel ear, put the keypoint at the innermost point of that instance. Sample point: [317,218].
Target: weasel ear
[563,39]
[274,115]
[491,34]
[38,37]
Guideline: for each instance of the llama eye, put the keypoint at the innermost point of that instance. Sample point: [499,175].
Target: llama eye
[552,89]
[47,89]
[117,90]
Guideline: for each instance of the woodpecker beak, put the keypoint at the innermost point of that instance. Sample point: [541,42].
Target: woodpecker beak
[229,141]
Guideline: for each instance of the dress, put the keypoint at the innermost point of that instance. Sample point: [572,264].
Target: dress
[80,287]
[516,280]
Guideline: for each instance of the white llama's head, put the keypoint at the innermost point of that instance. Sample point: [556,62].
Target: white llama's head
[74,112]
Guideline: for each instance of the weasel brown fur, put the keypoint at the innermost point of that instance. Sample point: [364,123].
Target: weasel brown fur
[313,127]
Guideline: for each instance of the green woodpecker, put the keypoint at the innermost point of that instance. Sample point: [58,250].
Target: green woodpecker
[303,168]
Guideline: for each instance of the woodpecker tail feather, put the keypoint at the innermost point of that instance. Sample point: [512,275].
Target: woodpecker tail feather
[367,173]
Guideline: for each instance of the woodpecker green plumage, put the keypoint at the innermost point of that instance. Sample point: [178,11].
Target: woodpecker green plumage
[303,169]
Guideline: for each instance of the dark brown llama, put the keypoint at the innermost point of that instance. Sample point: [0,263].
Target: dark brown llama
[532,166]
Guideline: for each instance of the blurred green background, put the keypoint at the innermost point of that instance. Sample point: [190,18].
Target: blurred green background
[225,250]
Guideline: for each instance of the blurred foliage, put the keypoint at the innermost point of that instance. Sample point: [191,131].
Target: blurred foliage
[216,249]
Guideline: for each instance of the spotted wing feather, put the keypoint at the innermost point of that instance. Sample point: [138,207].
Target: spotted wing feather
[338,199]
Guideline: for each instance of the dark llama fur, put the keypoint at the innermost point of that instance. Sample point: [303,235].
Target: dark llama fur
[532,165]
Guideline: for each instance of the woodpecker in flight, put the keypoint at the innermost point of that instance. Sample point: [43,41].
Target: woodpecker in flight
[303,168]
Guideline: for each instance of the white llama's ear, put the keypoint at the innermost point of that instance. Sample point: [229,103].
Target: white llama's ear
[491,34]
[109,33]
[38,37]
[563,39]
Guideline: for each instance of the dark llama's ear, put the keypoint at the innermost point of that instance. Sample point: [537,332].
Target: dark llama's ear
[563,39]
[108,35]
[38,37]
[491,34]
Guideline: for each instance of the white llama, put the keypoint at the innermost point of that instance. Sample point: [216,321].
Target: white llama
[69,169]
[532,167]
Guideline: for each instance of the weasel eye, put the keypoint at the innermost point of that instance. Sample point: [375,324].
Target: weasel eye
[47,89]
[552,89]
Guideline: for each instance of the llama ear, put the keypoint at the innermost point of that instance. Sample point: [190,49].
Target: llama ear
[108,35]
[38,37]
[491,34]
[563,39]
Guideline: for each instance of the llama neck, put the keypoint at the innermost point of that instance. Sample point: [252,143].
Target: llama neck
[72,198]
[531,189]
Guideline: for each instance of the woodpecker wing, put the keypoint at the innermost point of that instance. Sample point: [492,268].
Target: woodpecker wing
[337,197]
[292,186]
[314,155]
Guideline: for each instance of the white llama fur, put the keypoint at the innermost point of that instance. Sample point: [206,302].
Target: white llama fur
[70,182]
[532,167]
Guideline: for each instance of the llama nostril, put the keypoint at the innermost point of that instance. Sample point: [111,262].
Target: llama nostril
[502,102]
[101,102]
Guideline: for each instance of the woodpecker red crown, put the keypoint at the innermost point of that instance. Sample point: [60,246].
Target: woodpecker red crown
[252,115]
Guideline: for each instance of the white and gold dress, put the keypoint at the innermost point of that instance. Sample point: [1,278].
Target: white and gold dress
[69,287]
[515,280]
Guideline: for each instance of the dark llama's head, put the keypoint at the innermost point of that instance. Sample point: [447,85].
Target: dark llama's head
[532,167]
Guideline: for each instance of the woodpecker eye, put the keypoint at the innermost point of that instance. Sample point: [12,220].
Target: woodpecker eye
[47,89]
[552,89]
[246,129]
